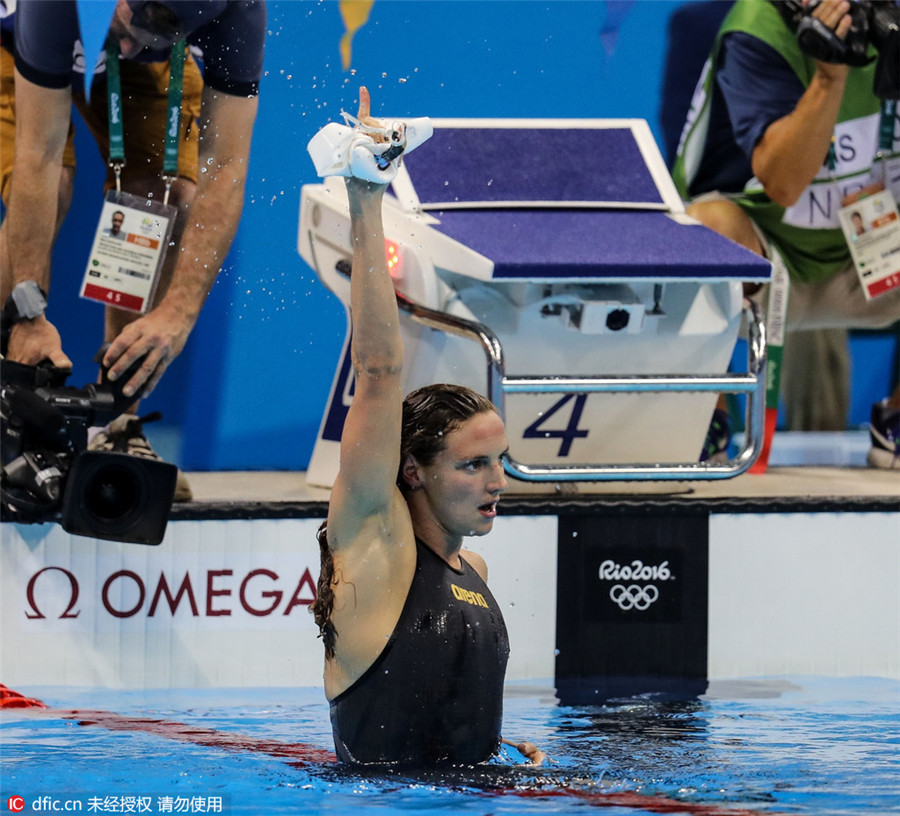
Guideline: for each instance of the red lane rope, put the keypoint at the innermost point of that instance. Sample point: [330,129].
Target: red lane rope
[12,699]
[634,799]
[298,753]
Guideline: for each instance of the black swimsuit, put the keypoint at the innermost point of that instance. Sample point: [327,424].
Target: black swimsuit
[435,694]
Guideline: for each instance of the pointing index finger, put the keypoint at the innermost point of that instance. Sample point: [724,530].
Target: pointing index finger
[365,104]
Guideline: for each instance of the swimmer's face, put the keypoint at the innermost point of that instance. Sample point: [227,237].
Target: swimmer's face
[133,34]
[466,479]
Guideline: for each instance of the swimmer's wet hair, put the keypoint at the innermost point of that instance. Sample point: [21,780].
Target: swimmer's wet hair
[323,605]
[429,414]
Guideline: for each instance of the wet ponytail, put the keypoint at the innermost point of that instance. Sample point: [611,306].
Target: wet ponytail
[323,605]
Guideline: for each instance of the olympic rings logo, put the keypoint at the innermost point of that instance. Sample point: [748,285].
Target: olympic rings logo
[633,596]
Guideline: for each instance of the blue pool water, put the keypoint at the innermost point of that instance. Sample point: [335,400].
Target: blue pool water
[800,745]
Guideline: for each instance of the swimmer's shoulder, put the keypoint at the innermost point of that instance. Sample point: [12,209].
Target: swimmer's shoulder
[477,563]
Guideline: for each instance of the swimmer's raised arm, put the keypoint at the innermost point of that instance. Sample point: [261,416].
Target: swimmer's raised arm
[370,446]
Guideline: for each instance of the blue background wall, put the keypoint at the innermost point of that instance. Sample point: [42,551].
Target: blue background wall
[250,387]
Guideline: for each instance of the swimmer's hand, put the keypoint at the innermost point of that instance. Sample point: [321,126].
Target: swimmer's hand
[529,750]
[360,187]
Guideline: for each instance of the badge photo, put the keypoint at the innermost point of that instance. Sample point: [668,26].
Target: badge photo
[128,252]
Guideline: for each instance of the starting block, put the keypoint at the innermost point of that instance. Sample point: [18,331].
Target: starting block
[558,251]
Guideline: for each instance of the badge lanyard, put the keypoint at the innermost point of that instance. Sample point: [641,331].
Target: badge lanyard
[889,113]
[127,256]
[173,115]
[885,146]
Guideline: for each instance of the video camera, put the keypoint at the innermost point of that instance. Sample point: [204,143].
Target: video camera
[49,475]
[875,22]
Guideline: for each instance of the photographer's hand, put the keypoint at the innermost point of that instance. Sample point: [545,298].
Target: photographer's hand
[36,340]
[158,337]
[835,15]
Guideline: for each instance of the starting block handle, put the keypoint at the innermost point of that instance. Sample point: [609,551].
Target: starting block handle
[753,384]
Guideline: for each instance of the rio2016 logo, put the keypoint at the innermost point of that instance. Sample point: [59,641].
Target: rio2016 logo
[637,570]
[628,596]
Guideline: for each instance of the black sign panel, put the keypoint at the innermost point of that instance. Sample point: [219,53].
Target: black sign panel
[631,603]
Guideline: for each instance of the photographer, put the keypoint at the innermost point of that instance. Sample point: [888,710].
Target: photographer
[146,41]
[779,143]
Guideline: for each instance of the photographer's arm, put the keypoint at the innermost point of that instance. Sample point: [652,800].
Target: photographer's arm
[213,216]
[793,149]
[42,123]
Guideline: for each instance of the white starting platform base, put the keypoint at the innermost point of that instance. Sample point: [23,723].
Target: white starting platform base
[557,251]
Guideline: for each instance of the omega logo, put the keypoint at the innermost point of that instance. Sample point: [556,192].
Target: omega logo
[36,613]
[214,594]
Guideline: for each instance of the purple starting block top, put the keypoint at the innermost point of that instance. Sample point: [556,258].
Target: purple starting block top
[575,201]
[491,165]
[558,244]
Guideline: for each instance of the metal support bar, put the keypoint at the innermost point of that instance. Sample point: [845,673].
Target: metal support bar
[753,384]
[627,385]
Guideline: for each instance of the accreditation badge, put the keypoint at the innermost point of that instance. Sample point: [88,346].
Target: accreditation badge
[871,226]
[128,252]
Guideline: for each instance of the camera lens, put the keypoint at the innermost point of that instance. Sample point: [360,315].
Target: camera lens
[118,497]
[617,319]
[112,493]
